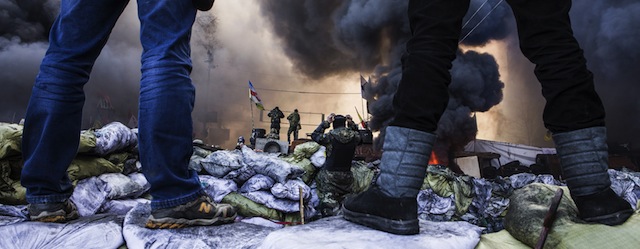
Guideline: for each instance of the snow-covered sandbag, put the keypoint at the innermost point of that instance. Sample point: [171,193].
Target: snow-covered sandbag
[262,222]
[97,231]
[114,137]
[318,158]
[433,207]
[273,167]
[291,190]
[238,235]
[140,180]
[89,195]
[270,201]
[336,232]
[217,188]
[195,163]
[119,186]
[10,214]
[241,175]
[221,162]
[122,207]
[257,182]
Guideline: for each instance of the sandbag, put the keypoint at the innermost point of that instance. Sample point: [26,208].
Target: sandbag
[114,137]
[291,190]
[270,166]
[318,158]
[266,198]
[529,206]
[220,163]
[10,140]
[217,188]
[87,166]
[119,186]
[257,182]
[89,194]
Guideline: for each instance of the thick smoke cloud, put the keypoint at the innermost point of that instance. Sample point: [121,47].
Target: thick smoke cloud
[609,33]
[24,28]
[369,36]
[112,91]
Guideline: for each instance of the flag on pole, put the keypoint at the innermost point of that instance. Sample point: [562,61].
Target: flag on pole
[253,95]
[363,84]
[364,124]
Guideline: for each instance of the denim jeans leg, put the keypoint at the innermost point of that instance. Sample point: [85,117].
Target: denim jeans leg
[166,101]
[52,122]
[422,94]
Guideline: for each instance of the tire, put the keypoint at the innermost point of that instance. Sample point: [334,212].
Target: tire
[272,147]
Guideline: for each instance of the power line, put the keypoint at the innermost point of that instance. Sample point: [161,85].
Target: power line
[302,92]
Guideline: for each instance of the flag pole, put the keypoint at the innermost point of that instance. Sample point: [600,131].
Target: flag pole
[251,105]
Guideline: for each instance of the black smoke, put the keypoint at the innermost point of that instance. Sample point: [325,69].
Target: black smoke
[114,83]
[609,33]
[369,36]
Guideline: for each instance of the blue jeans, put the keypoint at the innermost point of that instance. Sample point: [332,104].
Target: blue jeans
[54,115]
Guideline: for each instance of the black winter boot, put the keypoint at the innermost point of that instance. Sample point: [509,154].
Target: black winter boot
[390,205]
[585,160]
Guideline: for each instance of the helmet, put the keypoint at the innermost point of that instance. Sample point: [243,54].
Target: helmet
[339,121]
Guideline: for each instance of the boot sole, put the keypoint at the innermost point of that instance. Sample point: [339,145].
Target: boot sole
[611,219]
[55,217]
[400,227]
[171,223]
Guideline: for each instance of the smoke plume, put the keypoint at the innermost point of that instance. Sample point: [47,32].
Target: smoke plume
[368,36]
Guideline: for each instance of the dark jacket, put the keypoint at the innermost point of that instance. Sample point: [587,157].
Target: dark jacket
[341,146]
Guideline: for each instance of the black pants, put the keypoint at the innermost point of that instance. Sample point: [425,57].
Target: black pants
[546,39]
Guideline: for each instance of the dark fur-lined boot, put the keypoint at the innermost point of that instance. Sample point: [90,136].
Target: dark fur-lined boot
[390,205]
[585,160]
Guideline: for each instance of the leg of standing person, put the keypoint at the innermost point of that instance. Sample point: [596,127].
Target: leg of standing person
[574,112]
[53,120]
[390,205]
[165,125]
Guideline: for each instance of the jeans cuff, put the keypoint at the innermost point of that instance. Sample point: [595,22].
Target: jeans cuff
[177,201]
[48,199]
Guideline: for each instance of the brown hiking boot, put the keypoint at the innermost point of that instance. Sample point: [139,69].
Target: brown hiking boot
[53,212]
[199,212]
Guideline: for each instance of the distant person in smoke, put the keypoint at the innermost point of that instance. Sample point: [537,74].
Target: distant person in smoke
[53,119]
[335,179]
[275,116]
[574,113]
[294,125]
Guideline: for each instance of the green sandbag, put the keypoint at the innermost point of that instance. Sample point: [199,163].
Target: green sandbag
[10,140]
[306,150]
[12,193]
[86,166]
[500,240]
[87,142]
[306,165]
[362,176]
[248,208]
[445,183]
[529,205]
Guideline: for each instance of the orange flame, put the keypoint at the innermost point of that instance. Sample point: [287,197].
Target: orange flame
[433,160]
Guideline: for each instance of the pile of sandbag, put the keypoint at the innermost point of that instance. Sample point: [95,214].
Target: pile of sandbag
[269,186]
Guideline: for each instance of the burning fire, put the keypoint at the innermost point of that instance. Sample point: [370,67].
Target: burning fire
[433,159]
